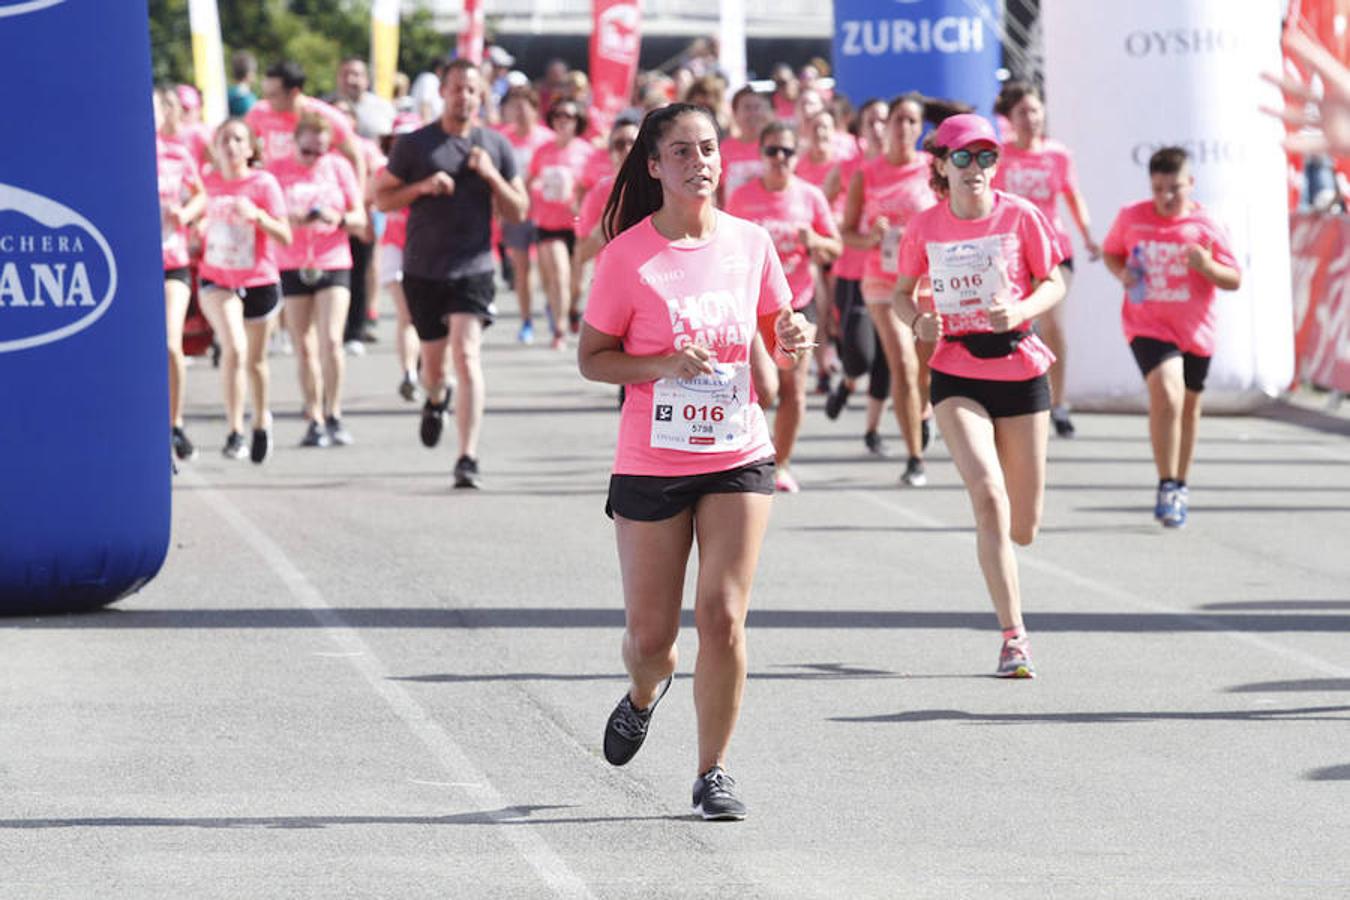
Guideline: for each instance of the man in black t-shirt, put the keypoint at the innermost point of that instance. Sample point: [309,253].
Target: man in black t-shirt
[452,174]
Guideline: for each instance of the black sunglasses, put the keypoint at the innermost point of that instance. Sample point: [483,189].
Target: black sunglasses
[984,158]
[308,152]
[785,152]
[622,145]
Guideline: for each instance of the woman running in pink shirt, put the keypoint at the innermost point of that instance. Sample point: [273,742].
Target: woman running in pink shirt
[324,204]
[994,264]
[181,200]
[245,220]
[883,195]
[798,218]
[679,294]
[557,172]
[1042,171]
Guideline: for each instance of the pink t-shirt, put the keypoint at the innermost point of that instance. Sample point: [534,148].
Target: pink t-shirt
[850,263]
[330,183]
[1040,176]
[593,206]
[178,181]
[659,296]
[974,261]
[556,176]
[276,130]
[524,146]
[783,214]
[1179,304]
[898,193]
[814,172]
[741,162]
[196,139]
[238,253]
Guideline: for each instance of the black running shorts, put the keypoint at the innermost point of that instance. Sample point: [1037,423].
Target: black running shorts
[431,302]
[260,302]
[653,498]
[306,282]
[1000,399]
[1149,353]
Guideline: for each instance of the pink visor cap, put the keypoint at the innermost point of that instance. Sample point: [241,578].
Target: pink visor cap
[963,130]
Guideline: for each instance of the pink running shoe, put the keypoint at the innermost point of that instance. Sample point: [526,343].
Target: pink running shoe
[783,482]
[1014,661]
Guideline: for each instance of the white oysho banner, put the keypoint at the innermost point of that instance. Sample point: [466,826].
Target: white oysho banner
[1123,79]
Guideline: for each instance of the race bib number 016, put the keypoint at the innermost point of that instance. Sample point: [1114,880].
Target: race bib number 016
[706,414]
[967,275]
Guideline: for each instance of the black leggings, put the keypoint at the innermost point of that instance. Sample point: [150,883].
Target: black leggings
[859,347]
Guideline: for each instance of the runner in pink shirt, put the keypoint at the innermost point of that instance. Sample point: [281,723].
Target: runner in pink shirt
[860,350]
[590,234]
[245,219]
[994,264]
[798,218]
[679,294]
[274,118]
[884,194]
[390,267]
[556,178]
[750,111]
[324,205]
[181,201]
[521,126]
[174,127]
[1042,171]
[1171,256]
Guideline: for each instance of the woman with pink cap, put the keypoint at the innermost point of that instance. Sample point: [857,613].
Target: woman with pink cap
[994,263]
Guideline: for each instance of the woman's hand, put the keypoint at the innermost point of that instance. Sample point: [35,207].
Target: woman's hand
[688,362]
[1004,317]
[793,333]
[928,326]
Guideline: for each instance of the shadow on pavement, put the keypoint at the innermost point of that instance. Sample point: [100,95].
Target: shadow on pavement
[613,618]
[1280,687]
[510,815]
[1304,714]
[1330,773]
[816,672]
[1249,605]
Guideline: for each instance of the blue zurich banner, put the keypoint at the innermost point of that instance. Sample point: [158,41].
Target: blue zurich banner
[84,439]
[942,48]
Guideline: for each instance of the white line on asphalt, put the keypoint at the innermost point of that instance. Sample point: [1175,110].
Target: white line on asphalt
[1116,594]
[550,867]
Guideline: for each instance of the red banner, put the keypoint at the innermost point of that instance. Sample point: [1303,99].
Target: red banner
[471,38]
[616,40]
[1320,249]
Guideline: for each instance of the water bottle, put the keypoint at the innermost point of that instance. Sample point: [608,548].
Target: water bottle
[1136,266]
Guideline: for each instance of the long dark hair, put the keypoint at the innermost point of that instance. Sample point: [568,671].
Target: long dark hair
[636,194]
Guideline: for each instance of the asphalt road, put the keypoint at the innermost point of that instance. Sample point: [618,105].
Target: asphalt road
[351,681]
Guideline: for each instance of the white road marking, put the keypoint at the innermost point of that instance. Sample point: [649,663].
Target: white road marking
[550,867]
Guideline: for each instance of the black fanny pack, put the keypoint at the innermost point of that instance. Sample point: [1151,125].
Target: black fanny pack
[988,344]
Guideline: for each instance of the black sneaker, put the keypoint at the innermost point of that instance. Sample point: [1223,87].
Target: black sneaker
[182,447]
[466,472]
[838,399]
[234,446]
[1059,417]
[925,433]
[316,436]
[715,796]
[627,727]
[433,419]
[914,475]
[337,432]
[875,445]
[261,447]
[823,383]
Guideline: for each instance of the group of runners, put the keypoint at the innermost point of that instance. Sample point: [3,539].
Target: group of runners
[724,265]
